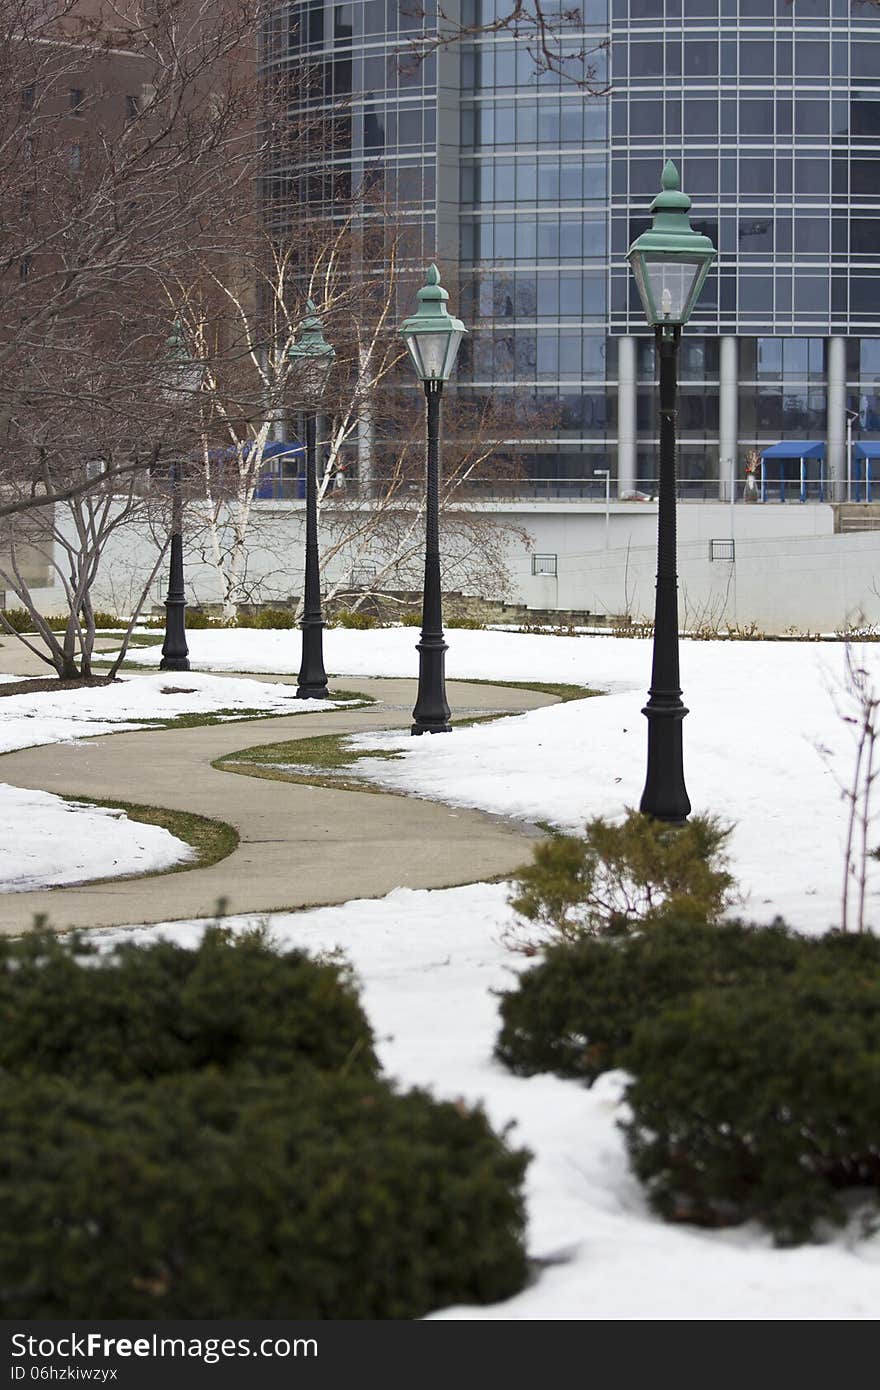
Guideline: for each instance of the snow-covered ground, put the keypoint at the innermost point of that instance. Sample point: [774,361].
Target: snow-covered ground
[46,842]
[760,713]
[428,962]
[57,716]
[489,655]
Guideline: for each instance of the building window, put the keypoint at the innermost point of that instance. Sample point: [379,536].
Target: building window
[722,550]
[28,96]
[24,267]
[132,108]
[77,97]
[544,564]
[76,158]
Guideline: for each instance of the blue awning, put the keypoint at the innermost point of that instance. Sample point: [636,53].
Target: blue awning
[867,451]
[795,449]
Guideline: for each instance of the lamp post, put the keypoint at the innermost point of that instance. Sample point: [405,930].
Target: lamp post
[606,474]
[314,356]
[432,337]
[175,652]
[670,263]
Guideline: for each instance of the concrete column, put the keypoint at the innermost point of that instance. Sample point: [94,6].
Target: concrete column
[835,455]
[728,404]
[626,415]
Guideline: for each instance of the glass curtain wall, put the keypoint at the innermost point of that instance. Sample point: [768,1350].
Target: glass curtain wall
[772,111]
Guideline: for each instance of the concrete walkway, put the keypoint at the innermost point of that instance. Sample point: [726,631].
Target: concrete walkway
[300,845]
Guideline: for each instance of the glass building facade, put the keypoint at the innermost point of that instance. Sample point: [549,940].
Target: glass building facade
[534,190]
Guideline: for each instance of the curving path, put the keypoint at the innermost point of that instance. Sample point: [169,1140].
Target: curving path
[301,846]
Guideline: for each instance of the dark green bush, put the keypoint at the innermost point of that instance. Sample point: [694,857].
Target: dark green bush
[225,1197]
[346,617]
[196,618]
[411,620]
[472,624]
[620,874]
[763,1101]
[575,1013]
[107,620]
[143,1011]
[275,618]
[21,621]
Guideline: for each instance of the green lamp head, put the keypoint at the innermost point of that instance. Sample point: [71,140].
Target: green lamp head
[311,352]
[432,335]
[670,261]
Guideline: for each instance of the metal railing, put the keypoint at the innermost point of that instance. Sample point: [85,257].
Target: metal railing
[586,489]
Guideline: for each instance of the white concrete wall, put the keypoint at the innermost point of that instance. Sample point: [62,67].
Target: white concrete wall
[790,569]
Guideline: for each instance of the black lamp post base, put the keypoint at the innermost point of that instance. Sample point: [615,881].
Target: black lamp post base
[175,653]
[665,797]
[431,712]
[311,683]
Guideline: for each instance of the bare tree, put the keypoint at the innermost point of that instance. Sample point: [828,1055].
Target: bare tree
[71,538]
[121,127]
[241,317]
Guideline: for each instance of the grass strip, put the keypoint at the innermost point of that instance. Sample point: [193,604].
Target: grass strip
[319,762]
[560,689]
[212,840]
[323,761]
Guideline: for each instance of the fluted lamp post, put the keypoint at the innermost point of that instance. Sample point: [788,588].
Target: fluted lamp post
[670,263]
[432,337]
[175,652]
[314,357]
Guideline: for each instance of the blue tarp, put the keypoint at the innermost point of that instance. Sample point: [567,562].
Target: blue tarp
[792,456]
[279,469]
[795,449]
[866,451]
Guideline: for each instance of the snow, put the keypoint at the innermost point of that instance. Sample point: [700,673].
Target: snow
[760,713]
[53,842]
[46,842]
[482,655]
[57,716]
[428,962]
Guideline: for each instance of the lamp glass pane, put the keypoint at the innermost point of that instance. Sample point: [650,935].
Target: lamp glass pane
[433,349]
[312,373]
[412,344]
[671,284]
[453,342]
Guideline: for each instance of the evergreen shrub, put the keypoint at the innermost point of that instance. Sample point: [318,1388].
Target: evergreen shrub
[763,1101]
[354,618]
[222,1196]
[575,1013]
[275,618]
[20,620]
[195,619]
[618,875]
[147,1010]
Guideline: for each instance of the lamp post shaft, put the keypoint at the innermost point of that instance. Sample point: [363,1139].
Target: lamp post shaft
[665,796]
[431,711]
[312,678]
[175,653]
